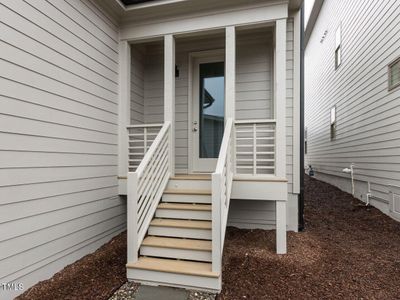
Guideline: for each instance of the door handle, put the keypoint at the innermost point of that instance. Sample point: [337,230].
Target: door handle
[194,126]
[194,129]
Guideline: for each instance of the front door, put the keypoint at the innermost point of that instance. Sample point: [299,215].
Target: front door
[208,111]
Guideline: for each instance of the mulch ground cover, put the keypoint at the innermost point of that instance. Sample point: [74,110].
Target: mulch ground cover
[95,276]
[347,251]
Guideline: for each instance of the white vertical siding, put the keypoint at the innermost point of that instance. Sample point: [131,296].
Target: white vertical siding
[367,113]
[58,136]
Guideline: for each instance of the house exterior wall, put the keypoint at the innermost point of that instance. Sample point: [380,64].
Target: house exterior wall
[254,75]
[261,214]
[147,83]
[58,138]
[367,113]
[154,84]
[137,84]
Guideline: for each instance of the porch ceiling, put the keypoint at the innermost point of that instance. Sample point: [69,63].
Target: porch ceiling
[132,2]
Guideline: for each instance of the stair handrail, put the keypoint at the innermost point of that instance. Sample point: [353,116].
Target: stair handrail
[221,184]
[145,187]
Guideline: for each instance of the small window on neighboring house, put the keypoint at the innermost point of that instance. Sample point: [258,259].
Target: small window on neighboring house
[394,74]
[333,123]
[338,47]
[305,140]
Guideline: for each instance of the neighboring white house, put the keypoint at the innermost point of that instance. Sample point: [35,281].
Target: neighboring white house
[352,95]
[191,108]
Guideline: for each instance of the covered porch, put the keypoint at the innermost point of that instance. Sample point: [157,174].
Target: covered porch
[202,101]
[164,84]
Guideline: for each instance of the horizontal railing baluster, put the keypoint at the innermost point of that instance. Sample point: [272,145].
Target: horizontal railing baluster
[255,147]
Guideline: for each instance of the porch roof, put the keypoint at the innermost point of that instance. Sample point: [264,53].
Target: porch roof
[126,11]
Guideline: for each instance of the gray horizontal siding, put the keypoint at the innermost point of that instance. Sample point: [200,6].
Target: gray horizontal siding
[251,214]
[261,214]
[137,84]
[58,136]
[254,79]
[367,113]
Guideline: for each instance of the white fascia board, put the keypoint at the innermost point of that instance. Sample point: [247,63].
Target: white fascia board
[296,102]
[201,22]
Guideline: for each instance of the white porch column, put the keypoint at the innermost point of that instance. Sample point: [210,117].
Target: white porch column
[281,227]
[230,72]
[280,140]
[124,115]
[280,97]
[169,93]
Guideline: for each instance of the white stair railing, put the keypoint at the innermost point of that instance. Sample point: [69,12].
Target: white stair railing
[255,147]
[145,188]
[221,191]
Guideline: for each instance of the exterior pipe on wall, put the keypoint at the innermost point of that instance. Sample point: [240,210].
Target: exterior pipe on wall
[301,196]
[369,194]
[351,172]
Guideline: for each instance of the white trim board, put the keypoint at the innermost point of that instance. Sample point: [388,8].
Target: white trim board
[296,103]
[197,22]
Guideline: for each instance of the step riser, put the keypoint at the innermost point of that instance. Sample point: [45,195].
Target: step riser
[189,184]
[175,280]
[196,255]
[182,198]
[183,214]
[201,234]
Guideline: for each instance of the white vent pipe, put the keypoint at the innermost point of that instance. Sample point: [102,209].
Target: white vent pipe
[351,172]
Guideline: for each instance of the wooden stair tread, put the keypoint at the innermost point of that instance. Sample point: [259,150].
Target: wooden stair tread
[181,223]
[174,266]
[176,243]
[187,191]
[192,177]
[184,206]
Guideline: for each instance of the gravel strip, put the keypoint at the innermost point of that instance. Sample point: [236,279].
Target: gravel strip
[198,295]
[129,289]
[126,292]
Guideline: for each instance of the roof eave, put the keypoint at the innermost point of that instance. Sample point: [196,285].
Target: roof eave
[312,20]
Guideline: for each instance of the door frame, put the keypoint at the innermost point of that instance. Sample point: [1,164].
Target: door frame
[192,57]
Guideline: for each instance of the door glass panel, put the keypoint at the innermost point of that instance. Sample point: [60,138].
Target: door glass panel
[212,98]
